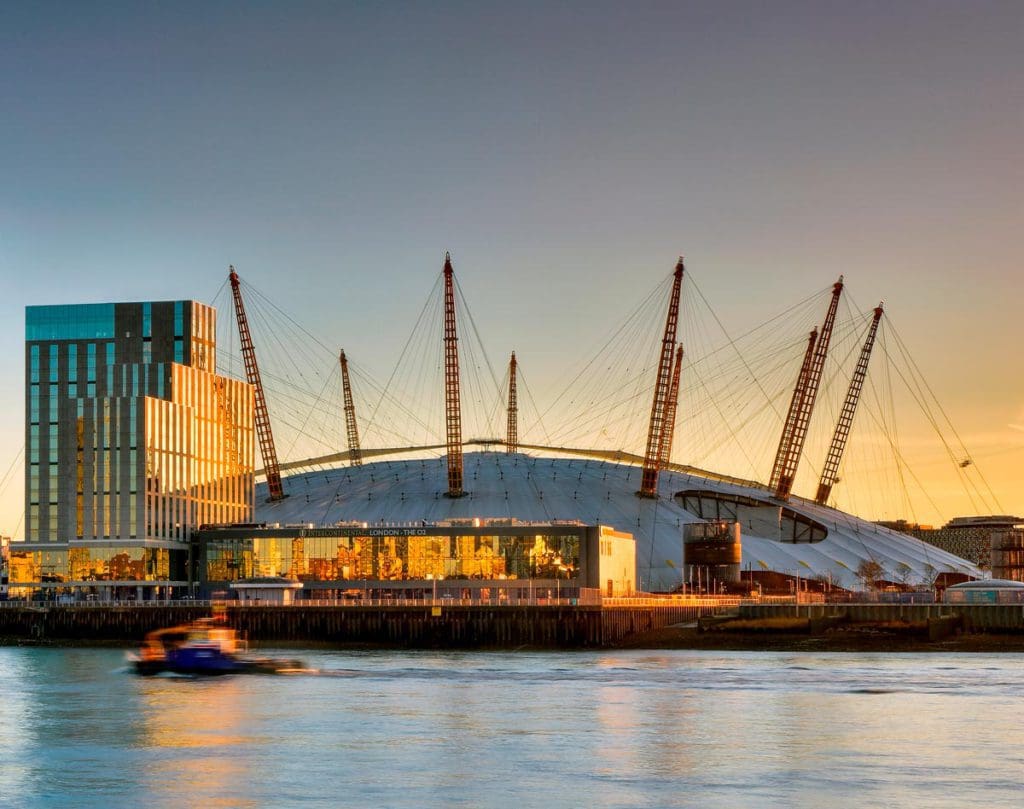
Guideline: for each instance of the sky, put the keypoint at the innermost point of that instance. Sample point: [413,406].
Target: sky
[565,154]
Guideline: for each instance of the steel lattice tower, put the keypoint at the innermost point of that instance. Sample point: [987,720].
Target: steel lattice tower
[351,428]
[794,433]
[252,373]
[512,433]
[830,474]
[652,454]
[787,429]
[453,411]
[665,452]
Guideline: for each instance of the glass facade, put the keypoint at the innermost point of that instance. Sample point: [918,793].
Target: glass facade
[95,564]
[320,556]
[199,454]
[130,434]
[478,558]
[84,321]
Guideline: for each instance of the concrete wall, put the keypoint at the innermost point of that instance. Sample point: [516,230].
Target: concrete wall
[616,563]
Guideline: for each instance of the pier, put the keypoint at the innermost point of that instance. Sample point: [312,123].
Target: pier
[409,625]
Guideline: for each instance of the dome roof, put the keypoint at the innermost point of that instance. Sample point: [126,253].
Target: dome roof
[543,489]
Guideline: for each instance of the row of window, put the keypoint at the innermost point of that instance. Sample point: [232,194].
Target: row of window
[394,558]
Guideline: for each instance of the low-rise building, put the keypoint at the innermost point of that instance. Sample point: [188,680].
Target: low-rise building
[471,558]
[967,537]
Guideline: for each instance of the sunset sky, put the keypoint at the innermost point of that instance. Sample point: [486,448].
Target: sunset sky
[566,154]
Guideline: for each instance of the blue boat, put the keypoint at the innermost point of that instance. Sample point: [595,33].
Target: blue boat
[204,647]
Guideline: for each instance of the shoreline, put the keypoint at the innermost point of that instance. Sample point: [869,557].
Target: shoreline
[689,637]
[673,638]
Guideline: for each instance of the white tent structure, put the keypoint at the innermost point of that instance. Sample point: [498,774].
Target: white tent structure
[798,537]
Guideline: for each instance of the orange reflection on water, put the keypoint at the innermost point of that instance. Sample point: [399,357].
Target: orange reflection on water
[208,718]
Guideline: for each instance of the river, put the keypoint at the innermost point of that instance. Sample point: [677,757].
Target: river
[515,729]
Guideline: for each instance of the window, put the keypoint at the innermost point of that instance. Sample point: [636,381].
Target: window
[71,322]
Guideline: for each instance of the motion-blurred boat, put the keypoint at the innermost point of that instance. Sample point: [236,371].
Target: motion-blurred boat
[204,647]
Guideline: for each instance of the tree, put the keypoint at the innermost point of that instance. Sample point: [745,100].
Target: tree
[869,572]
[903,573]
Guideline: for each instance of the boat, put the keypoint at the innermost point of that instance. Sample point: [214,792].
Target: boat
[204,647]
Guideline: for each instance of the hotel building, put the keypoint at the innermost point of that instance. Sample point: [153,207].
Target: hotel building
[132,441]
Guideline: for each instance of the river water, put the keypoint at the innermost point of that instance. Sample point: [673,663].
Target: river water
[587,729]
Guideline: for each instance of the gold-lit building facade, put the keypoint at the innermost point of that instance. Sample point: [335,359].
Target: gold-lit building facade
[470,556]
[132,441]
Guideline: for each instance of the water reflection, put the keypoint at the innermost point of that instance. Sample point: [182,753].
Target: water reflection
[503,729]
[202,724]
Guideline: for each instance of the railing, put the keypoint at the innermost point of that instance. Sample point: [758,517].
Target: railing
[440,601]
[672,601]
[586,598]
[21,603]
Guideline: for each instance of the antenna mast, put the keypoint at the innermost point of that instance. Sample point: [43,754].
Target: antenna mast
[830,474]
[512,434]
[355,454]
[794,433]
[652,454]
[453,411]
[252,374]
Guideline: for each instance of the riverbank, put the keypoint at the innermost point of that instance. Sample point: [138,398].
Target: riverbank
[864,628]
[854,640]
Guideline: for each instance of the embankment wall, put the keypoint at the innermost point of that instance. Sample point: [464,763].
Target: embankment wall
[402,626]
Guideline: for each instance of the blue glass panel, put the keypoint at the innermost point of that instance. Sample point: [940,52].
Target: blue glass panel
[72,363]
[69,322]
[90,362]
[34,363]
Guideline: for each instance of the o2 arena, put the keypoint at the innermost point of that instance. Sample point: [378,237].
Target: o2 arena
[635,488]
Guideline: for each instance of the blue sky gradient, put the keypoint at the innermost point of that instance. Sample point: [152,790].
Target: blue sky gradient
[565,154]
